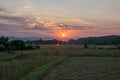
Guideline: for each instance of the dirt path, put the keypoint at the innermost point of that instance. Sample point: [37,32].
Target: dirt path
[86,68]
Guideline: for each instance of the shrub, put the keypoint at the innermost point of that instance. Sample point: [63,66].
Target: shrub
[86,45]
[29,47]
[6,45]
[37,46]
[118,46]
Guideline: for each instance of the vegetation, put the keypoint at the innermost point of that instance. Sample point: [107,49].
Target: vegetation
[118,46]
[23,64]
[39,72]
[36,64]
[40,41]
[86,68]
[85,45]
[104,40]
[6,45]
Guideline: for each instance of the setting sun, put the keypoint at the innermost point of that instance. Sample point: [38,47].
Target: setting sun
[66,34]
[63,34]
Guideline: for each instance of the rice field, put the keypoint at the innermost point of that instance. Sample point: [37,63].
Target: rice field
[64,62]
[16,68]
[86,68]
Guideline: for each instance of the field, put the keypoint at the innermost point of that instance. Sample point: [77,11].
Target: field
[21,66]
[86,68]
[66,62]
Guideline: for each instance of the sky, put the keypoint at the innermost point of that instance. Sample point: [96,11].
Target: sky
[52,18]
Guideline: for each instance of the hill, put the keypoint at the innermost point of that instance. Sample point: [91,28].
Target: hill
[102,40]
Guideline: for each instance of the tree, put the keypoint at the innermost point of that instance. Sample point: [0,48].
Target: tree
[18,45]
[86,45]
[4,44]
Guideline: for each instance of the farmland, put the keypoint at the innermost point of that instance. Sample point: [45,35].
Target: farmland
[64,62]
[19,66]
[86,68]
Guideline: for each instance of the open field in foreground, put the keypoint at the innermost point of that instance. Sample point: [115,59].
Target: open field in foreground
[76,50]
[27,66]
[65,62]
[86,68]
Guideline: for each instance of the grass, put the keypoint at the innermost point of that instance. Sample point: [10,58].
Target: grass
[41,71]
[7,57]
[76,50]
[23,65]
[86,68]
[34,64]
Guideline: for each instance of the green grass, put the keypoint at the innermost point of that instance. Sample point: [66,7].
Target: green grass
[39,72]
[7,57]
[72,50]
[23,64]
[34,64]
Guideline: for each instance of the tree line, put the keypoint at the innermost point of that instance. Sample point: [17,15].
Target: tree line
[40,41]
[104,40]
[6,45]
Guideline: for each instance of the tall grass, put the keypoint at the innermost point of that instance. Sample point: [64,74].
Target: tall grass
[31,63]
[39,72]
[77,50]
[22,65]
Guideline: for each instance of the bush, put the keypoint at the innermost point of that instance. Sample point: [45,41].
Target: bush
[37,46]
[86,45]
[18,44]
[29,47]
[6,45]
[118,46]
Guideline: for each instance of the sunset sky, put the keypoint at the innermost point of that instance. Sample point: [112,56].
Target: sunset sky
[52,18]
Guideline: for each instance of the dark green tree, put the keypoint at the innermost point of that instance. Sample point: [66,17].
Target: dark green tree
[18,45]
[86,45]
[4,44]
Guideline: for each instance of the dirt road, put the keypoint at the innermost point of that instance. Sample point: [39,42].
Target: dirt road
[86,68]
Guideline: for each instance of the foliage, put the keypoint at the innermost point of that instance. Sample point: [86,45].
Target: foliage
[40,41]
[6,45]
[30,47]
[118,46]
[85,45]
[37,46]
[18,45]
[103,40]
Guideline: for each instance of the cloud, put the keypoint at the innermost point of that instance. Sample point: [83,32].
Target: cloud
[26,23]
[13,18]
[75,27]
[8,27]
[4,11]
[18,25]
[10,22]
[38,27]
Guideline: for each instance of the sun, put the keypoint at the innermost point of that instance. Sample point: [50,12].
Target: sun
[63,34]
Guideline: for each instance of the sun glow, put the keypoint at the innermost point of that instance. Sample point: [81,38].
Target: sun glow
[63,34]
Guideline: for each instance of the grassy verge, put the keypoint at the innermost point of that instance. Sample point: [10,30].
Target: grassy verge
[7,57]
[23,64]
[39,72]
[86,68]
